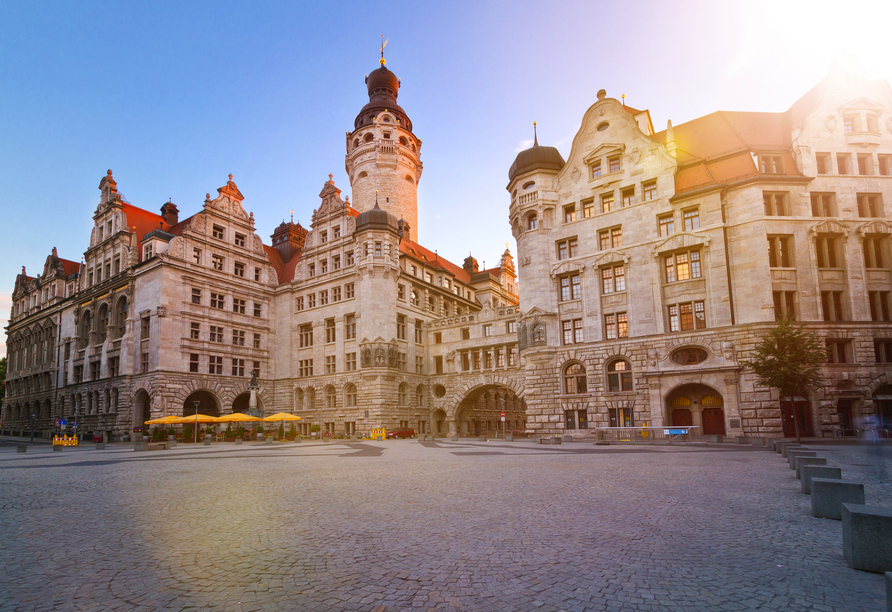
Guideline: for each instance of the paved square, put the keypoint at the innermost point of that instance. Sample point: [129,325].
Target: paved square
[407,525]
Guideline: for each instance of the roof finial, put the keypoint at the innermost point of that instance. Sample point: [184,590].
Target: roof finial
[383,44]
[292,216]
[624,100]
[535,136]
[230,177]
[331,178]
[376,198]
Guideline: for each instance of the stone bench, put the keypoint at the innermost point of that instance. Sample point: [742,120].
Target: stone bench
[140,446]
[742,439]
[481,438]
[803,461]
[567,439]
[791,456]
[785,450]
[810,472]
[57,447]
[100,446]
[21,448]
[550,440]
[867,537]
[828,496]
[153,446]
[716,439]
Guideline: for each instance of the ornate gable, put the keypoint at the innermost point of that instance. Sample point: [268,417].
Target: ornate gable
[860,104]
[604,149]
[683,240]
[565,267]
[229,200]
[331,201]
[611,257]
[829,227]
[876,227]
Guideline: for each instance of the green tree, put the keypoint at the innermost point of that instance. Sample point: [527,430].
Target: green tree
[789,359]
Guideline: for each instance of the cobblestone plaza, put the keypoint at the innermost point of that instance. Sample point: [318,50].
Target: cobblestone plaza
[408,525]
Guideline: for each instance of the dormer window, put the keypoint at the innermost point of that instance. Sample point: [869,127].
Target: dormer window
[771,164]
[147,251]
[850,124]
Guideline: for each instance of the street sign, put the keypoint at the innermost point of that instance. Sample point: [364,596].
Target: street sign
[61,422]
[74,424]
[503,417]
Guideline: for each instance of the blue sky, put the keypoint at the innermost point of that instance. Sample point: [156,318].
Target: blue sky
[173,96]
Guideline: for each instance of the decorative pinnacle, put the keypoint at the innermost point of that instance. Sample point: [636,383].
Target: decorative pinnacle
[383,44]
[230,177]
[535,136]
[331,178]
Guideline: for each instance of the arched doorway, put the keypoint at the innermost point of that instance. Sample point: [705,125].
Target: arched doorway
[240,403]
[697,405]
[142,408]
[207,404]
[479,412]
[801,408]
[882,399]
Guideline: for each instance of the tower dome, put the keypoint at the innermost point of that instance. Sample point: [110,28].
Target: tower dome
[377,219]
[536,158]
[383,86]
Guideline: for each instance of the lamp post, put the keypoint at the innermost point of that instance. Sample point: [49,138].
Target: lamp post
[197,404]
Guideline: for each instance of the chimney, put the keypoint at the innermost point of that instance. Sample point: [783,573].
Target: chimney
[170,213]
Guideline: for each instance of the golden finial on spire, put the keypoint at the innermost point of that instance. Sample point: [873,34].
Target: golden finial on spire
[383,44]
[535,136]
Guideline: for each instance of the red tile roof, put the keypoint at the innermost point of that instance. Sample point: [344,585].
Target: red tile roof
[69,267]
[433,260]
[144,222]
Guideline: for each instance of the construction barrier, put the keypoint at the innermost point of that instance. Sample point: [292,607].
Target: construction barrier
[64,440]
[379,433]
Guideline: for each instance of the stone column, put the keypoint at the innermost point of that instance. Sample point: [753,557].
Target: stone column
[731,402]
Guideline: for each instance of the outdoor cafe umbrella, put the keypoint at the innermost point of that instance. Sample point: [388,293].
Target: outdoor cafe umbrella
[281,416]
[167,420]
[195,418]
[237,417]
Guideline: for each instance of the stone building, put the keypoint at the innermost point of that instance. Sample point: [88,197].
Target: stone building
[653,262]
[650,265]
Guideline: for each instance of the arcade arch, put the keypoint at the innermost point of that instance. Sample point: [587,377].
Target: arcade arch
[207,403]
[697,405]
[479,412]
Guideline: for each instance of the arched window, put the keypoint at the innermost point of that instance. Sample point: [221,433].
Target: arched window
[121,316]
[311,398]
[350,395]
[368,137]
[103,323]
[404,394]
[419,396]
[619,376]
[532,222]
[356,143]
[86,327]
[574,379]
[298,399]
[330,397]
[403,141]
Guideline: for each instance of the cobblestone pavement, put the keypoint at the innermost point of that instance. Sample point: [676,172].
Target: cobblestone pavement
[408,525]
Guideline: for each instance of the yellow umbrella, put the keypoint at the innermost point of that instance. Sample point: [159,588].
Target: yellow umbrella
[237,417]
[196,418]
[168,420]
[282,416]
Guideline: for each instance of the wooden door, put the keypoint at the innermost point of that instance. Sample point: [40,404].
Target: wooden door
[713,421]
[803,410]
[681,417]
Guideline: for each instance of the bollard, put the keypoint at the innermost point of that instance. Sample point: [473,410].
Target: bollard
[790,447]
[828,496]
[21,448]
[100,446]
[57,447]
[742,439]
[238,440]
[791,456]
[801,462]
[509,438]
[207,442]
[268,440]
[568,438]
[817,471]
[867,537]
[297,439]
[454,438]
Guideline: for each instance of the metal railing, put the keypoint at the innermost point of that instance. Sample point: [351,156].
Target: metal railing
[644,435]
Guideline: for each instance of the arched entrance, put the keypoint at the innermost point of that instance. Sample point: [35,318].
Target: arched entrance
[479,412]
[142,408]
[240,403]
[439,422]
[882,399]
[801,408]
[697,405]
[207,404]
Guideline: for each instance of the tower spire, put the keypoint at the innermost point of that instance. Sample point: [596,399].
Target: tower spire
[535,137]
[383,44]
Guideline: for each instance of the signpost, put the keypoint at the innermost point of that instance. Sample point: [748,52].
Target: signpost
[504,435]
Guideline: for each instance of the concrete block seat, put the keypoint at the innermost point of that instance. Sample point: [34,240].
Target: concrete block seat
[867,537]
[785,449]
[791,456]
[828,496]
[810,472]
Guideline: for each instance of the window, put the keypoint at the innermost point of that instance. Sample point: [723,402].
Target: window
[239,269]
[348,291]
[336,231]
[616,325]
[666,224]
[329,331]
[596,169]
[196,296]
[350,327]
[419,364]
[305,368]
[215,364]
[827,248]
[882,351]
[311,300]
[336,262]
[323,266]
[842,163]
[239,240]
[784,305]
[465,333]
[487,329]
[511,327]
[689,356]
[628,196]
[323,236]
[574,379]
[780,253]
[216,334]
[419,332]
[885,165]
[193,362]
[771,164]
[607,202]
[864,164]
[144,329]
[147,254]
[257,341]
[823,162]
[257,274]
[613,163]
[872,124]
[691,218]
[570,288]
[838,351]
[114,366]
[823,205]
[619,376]
[610,238]
[350,397]
[649,189]
[256,368]
[349,258]
[299,303]
[570,213]
[323,297]
[350,362]
[238,306]
[401,327]
[238,367]
[438,364]
[687,316]
[329,364]
[95,367]
[194,331]
[532,222]
[874,247]
[311,270]
[217,300]
[258,309]
[217,262]
[849,123]
[402,361]
[831,305]
[512,356]
[568,248]
[879,305]
[378,249]
[217,232]
[682,266]
[238,337]
[571,331]
[196,256]
[305,335]
[777,204]
[870,205]
[588,208]
[613,279]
